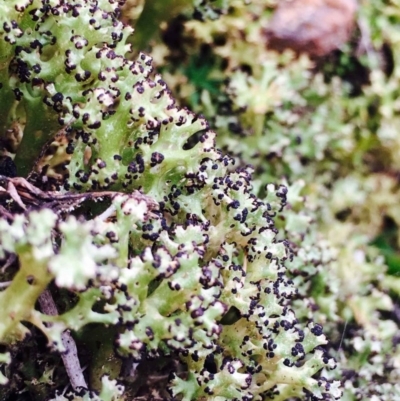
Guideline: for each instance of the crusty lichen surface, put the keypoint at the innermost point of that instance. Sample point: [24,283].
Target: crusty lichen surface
[178,265]
[328,129]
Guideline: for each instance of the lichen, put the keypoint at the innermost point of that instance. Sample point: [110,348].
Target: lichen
[177,260]
[325,128]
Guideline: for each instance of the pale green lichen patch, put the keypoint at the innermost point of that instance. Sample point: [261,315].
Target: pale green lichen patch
[180,260]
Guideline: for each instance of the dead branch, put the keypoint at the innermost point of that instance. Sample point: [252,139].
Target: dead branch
[70,355]
[24,193]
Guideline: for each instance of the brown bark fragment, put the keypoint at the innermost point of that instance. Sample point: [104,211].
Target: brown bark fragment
[315,27]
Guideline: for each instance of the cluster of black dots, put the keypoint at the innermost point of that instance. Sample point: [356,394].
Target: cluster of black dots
[181,340]
[207,376]
[149,233]
[156,158]
[197,307]
[22,66]
[224,188]
[12,30]
[274,324]
[29,72]
[170,202]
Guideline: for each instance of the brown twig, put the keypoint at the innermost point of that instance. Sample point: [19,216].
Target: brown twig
[4,212]
[24,193]
[70,355]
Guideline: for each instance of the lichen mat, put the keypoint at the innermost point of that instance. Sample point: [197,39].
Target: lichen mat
[158,279]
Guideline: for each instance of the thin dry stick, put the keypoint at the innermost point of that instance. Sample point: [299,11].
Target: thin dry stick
[24,193]
[365,43]
[5,213]
[70,356]
[14,194]
[341,339]
[10,260]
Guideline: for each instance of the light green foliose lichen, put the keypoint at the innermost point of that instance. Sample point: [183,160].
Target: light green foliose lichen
[327,129]
[179,262]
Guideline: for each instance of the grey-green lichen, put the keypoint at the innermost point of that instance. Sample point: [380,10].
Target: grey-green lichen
[178,260]
[328,129]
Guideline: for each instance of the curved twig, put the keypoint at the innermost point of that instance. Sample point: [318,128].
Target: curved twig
[24,193]
[70,355]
